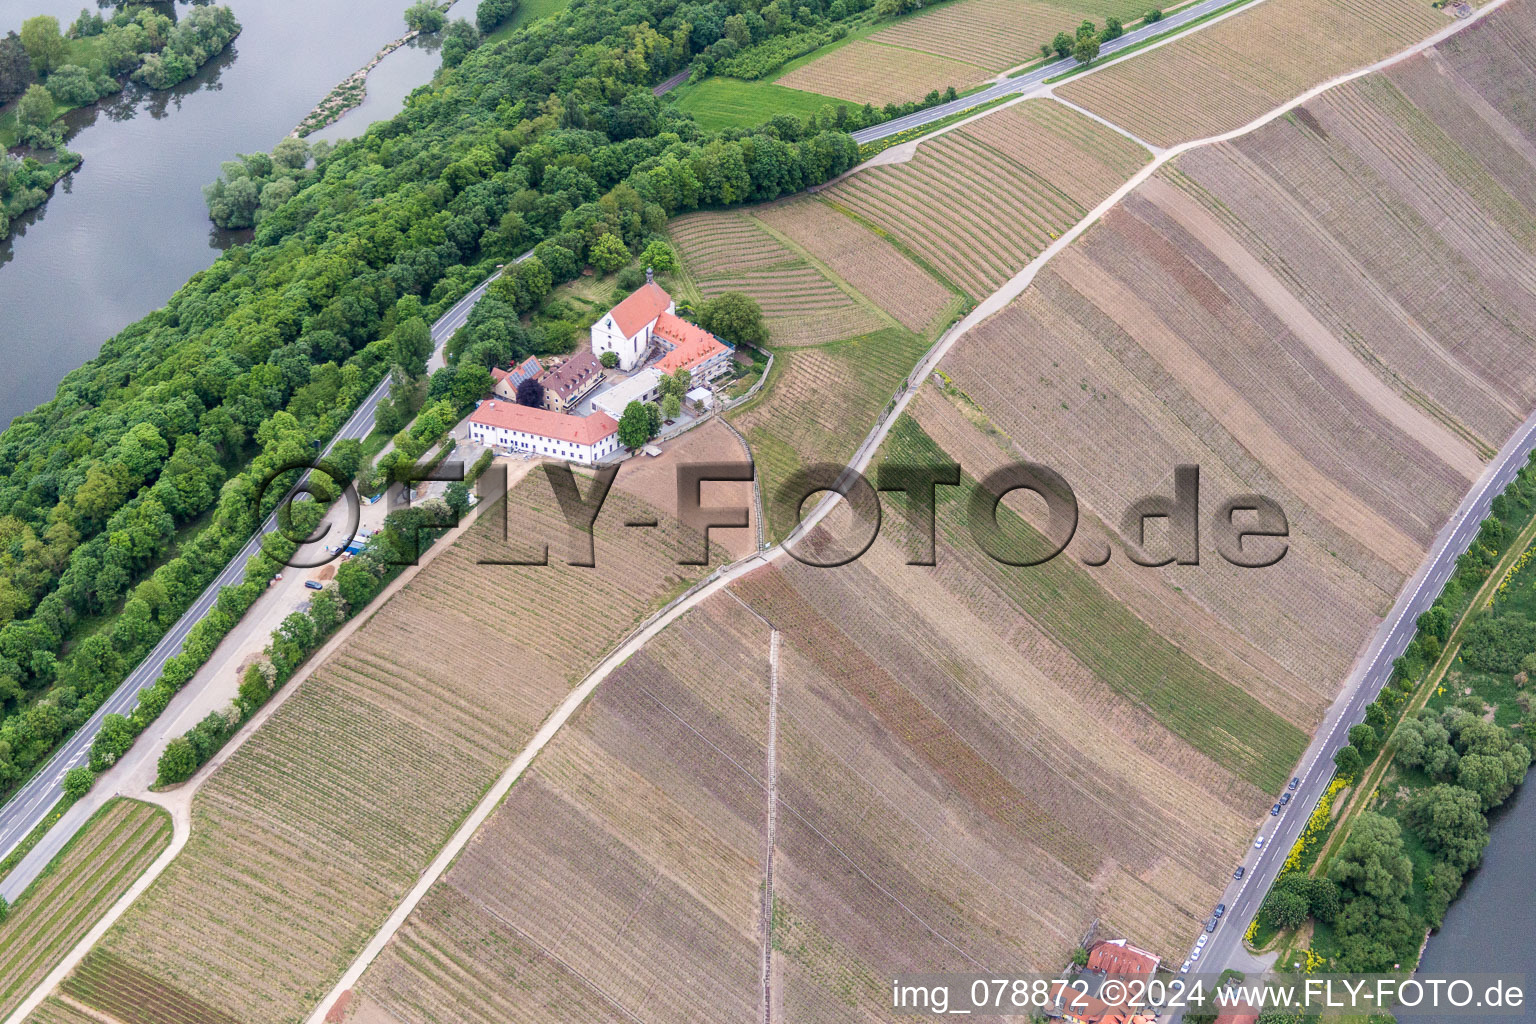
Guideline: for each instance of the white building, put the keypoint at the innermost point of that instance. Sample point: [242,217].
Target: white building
[626,329]
[521,428]
[644,386]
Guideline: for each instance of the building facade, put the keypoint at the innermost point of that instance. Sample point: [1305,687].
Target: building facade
[520,428]
[626,329]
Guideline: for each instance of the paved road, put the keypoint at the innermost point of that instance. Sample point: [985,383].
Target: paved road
[1026,82]
[32,803]
[1224,948]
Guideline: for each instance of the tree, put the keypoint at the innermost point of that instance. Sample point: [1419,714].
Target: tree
[1062,44]
[659,256]
[411,346]
[1364,739]
[735,317]
[609,253]
[35,106]
[1349,762]
[1155,14]
[1423,742]
[253,690]
[458,39]
[73,85]
[1113,29]
[491,13]
[15,68]
[530,393]
[1449,820]
[653,418]
[44,42]
[671,406]
[178,762]
[1086,49]
[111,742]
[1371,862]
[609,359]
[78,781]
[634,426]
[424,16]
[1284,909]
[1080,956]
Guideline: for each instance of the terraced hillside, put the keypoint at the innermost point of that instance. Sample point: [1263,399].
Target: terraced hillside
[981,201]
[1254,60]
[849,315]
[960,44]
[75,892]
[970,758]
[310,833]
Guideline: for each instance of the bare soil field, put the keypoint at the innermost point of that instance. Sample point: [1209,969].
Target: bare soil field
[310,833]
[981,201]
[1333,310]
[996,34]
[620,877]
[654,482]
[72,893]
[1253,61]
[865,71]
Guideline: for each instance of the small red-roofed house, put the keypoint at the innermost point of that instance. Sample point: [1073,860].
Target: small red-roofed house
[1119,957]
[504,382]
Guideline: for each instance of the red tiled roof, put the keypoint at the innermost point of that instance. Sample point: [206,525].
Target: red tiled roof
[693,343]
[1118,956]
[557,425]
[640,307]
[571,374]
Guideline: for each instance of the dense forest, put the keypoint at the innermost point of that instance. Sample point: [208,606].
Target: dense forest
[121,497]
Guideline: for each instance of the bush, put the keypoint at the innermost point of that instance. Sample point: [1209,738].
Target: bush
[424,17]
[78,781]
[73,85]
[609,359]
[1155,14]
[1498,644]
[178,762]
[491,13]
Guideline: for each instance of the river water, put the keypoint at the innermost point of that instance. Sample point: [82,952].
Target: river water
[122,233]
[1491,928]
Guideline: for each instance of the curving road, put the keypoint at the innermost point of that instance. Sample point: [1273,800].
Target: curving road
[31,804]
[1371,671]
[1026,82]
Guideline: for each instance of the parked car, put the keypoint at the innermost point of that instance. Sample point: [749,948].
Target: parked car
[1275,809]
[1285,798]
[1195,955]
[1201,941]
[1258,844]
[1239,872]
[1210,926]
[1221,908]
[1294,783]
[314,584]
[1185,968]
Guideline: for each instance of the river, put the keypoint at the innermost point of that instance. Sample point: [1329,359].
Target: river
[122,233]
[1490,927]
